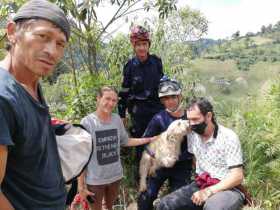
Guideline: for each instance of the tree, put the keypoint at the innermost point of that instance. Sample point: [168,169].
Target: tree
[248,42]
[269,28]
[249,34]
[236,35]
[90,31]
[173,38]
[87,29]
[263,29]
[185,25]
[276,27]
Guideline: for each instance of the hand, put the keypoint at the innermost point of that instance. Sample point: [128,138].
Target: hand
[56,121]
[5,203]
[201,196]
[84,193]
[125,122]
[151,139]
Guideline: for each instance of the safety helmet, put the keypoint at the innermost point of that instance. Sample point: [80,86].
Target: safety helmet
[168,87]
[139,33]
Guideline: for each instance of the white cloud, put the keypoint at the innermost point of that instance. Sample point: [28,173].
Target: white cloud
[225,16]
[243,15]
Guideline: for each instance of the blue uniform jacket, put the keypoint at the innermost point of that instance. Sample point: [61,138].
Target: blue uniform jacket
[140,87]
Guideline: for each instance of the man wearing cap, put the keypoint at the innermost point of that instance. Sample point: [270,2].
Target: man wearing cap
[30,172]
[141,76]
[179,175]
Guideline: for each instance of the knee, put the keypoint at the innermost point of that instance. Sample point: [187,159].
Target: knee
[213,206]
[164,204]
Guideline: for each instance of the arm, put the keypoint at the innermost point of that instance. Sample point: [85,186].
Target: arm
[139,141]
[150,134]
[4,202]
[82,187]
[234,162]
[234,178]
[7,127]
[124,94]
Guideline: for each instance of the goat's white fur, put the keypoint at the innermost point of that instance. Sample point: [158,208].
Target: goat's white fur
[166,149]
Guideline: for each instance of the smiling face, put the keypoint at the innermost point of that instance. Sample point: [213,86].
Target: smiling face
[141,49]
[171,102]
[107,102]
[36,48]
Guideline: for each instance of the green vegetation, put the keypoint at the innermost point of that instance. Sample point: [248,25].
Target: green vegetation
[240,76]
[259,129]
[248,50]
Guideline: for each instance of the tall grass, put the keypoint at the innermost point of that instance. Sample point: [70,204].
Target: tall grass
[259,131]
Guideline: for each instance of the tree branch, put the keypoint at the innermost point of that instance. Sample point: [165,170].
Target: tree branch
[116,16]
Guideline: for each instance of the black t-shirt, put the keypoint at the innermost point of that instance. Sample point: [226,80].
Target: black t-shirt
[33,178]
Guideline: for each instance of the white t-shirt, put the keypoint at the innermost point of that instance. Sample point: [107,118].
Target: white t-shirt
[217,155]
[105,164]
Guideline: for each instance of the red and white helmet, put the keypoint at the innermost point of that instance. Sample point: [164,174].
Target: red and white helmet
[139,33]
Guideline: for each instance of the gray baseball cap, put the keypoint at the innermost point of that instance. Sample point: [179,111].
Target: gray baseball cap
[46,10]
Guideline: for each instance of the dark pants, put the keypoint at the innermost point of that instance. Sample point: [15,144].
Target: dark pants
[138,127]
[141,112]
[177,177]
[181,200]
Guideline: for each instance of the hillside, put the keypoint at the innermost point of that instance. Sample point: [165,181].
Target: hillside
[239,68]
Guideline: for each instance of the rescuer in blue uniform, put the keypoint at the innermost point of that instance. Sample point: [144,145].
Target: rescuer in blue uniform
[179,175]
[141,76]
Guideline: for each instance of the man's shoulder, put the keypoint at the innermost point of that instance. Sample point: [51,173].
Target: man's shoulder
[227,135]
[226,131]
[6,79]
[90,117]
[8,86]
[160,115]
[116,117]
[132,62]
[155,57]
[162,119]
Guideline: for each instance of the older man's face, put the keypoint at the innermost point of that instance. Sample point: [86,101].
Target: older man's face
[39,47]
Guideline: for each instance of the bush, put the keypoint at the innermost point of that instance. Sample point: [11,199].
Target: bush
[260,136]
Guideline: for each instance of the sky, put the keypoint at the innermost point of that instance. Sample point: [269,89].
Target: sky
[225,16]
[228,16]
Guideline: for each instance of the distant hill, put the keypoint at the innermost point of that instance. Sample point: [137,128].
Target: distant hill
[233,70]
[246,50]
[201,45]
